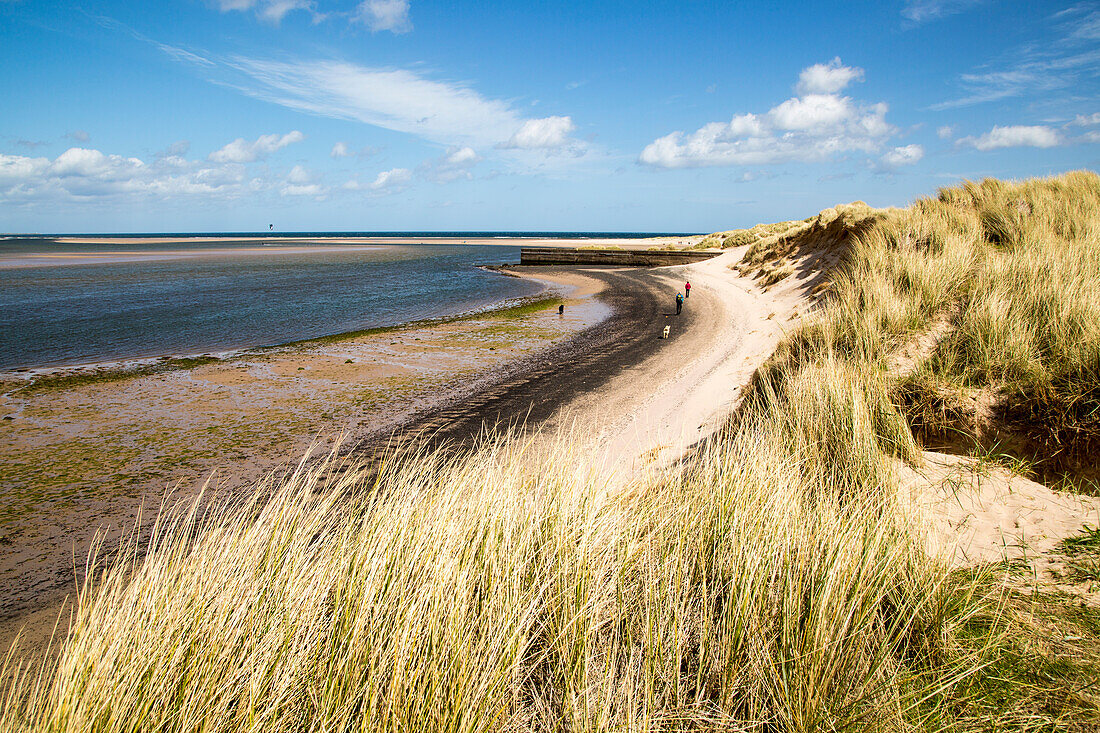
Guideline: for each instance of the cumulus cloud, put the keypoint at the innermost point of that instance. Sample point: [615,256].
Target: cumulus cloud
[395,178]
[827,78]
[243,151]
[812,127]
[85,174]
[1014,136]
[945,132]
[299,174]
[900,156]
[548,132]
[462,156]
[385,15]
[1087,120]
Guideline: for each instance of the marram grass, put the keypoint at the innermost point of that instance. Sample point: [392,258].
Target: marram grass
[508,589]
[769,583]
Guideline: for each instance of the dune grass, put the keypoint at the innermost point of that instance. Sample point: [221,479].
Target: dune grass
[1015,269]
[768,583]
[513,588]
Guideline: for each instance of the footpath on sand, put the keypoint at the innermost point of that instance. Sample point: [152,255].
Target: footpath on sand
[966,511]
[654,410]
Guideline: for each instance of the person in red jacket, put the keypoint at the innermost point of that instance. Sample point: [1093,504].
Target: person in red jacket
[687,290]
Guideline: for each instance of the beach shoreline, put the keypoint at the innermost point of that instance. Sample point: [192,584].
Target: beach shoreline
[643,397]
[469,357]
[53,253]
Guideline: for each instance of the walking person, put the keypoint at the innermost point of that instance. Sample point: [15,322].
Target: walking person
[679,303]
[687,290]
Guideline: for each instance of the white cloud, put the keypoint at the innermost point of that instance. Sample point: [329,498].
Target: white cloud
[80,136]
[548,132]
[269,10]
[343,150]
[242,151]
[1014,136]
[945,132]
[87,163]
[450,113]
[1087,120]
[306,189]
[83,174]
[462,156]
[827,78]
[904,155]
[392,179]
[812,127]
[453,165]
[811,111]
[385,15]
[921,11]
[299,174]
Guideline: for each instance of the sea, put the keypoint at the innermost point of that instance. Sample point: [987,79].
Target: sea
[68,304]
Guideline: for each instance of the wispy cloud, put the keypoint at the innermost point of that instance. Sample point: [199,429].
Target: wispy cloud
[545,133]
[1014,136]
[900,156]
[808,128]
[922,11]
[243,151]
[1059,64]
[445,112]
[272,11]
[395,178]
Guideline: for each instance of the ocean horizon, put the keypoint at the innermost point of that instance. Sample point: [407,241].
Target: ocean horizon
[426,234]
[63,315]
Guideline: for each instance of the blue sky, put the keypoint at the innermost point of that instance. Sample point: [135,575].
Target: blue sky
[228,115]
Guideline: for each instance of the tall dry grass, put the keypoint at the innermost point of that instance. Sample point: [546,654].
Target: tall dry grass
[513,588]
[1014,269]
[769,583]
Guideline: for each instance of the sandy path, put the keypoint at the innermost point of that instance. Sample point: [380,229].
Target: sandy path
[659,407]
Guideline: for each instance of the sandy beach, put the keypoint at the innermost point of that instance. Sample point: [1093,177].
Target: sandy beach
[101,455]
[91,456]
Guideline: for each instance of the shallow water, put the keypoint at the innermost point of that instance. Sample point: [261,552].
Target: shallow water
[67,314]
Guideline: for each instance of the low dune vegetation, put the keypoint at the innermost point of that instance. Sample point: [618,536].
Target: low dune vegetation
[769,581]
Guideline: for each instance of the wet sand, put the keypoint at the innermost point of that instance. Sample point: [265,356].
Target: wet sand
[87,458]
[82,457]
